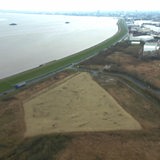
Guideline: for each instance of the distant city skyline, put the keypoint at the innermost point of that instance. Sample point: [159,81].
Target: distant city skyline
[80,5]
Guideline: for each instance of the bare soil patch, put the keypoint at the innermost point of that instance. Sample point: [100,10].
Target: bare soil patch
[11,124]
[77,103]
[140,107]
[113,146]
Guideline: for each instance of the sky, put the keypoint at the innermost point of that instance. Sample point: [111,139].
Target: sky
[80,5]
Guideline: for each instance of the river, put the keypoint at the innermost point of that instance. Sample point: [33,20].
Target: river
[38,39]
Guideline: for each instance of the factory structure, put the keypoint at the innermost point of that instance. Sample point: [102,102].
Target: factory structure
[147,31]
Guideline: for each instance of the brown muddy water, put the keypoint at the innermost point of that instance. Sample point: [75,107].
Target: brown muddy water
[38,39]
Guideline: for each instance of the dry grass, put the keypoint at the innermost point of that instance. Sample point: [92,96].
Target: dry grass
[75,104]
[113,146]
[140,107]
[116,144]
[126,60]
[145,70]
[11,124]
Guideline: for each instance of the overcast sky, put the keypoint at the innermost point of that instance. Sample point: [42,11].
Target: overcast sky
[80,5]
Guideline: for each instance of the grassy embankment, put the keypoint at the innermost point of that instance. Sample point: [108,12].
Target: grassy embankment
[8,83]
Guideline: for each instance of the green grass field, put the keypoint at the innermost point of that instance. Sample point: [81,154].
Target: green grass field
[9,82]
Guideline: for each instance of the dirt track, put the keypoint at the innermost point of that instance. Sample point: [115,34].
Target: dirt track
[77,103]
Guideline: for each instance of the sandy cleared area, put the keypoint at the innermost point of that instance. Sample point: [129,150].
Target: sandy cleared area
[73,105]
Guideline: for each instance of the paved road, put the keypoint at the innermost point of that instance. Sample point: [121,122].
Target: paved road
[137,82]
[50,74]
[47,75]
[123,78]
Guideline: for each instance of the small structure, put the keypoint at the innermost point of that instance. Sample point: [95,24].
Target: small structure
[157,37]
[107,67]
[135,42]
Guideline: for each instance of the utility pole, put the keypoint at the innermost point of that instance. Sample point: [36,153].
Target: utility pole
[157,48]
[141,49]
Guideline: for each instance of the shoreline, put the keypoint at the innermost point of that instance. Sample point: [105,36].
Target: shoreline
[41,39]
[59,65]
